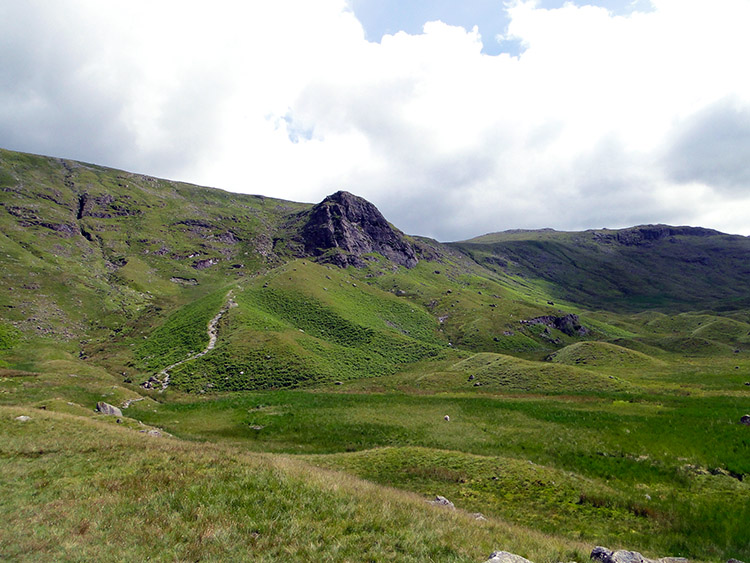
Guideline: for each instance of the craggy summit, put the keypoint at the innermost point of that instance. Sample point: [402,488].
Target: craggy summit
[343,227]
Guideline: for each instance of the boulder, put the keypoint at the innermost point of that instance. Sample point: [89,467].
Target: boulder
[506,557]
[23,418]
[604,555]
[106,408]
[478,516]
[443,503]
[745,420]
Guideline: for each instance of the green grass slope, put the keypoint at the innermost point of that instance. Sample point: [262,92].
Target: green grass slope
[628,435]
[158,499]
[500,372]
[647,267]
[660,472]
[603,355]
[88,251]
[306,323]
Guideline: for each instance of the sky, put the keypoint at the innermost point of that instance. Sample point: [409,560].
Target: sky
[454,118]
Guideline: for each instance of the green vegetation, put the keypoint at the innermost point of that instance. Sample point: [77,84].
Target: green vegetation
[603,355]
[647,267]
[593,383]
[9,337]
[182,334]
[643,470]
[159,499]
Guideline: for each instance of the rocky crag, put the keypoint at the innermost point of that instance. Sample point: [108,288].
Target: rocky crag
[344,228]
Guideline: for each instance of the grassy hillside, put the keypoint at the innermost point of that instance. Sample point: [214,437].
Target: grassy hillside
[648,267]
[653,471]
[593,382]
[159,499]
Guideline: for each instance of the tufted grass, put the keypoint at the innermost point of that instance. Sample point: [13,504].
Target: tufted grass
[615,469]
[77,489]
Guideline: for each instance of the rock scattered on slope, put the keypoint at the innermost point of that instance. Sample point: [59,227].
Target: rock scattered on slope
[568,324]
[443,503]
[604,555]
[23,418]
[478,516]
[745,420]
[106,408]
[506,557]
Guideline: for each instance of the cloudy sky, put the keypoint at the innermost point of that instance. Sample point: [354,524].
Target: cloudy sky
[454,118]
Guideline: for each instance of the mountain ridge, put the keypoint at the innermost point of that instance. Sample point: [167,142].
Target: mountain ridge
[524,375]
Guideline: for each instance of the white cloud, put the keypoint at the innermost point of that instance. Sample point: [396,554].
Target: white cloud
[597,123]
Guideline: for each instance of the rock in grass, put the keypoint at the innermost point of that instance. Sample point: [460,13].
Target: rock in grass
[106,408]
[23,418]
[447,418]
[604,555]
[443,503]
[745,420]
[506,557]
[478,516]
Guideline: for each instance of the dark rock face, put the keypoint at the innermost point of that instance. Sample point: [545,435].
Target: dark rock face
[343,227]
[567,324]
[106,206]
[645,234]
[203,264]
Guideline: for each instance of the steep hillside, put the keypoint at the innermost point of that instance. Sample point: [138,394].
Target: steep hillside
[127,270]
[646,267]
[591,385]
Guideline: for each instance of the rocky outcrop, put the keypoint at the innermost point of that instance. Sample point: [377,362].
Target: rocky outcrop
[106,408]
[567,324]
[645,234]
[600,554]
[106,206]
[604,555]
[343,228]
[205,263]
[442,502]
[506,557]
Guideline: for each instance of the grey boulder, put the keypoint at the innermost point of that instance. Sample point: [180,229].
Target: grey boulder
[106,408]
[506,557]
[604,555]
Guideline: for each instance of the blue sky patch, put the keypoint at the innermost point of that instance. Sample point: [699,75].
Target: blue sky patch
[387,17]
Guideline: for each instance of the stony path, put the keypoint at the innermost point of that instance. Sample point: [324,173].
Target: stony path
[129,402]
[212,336]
